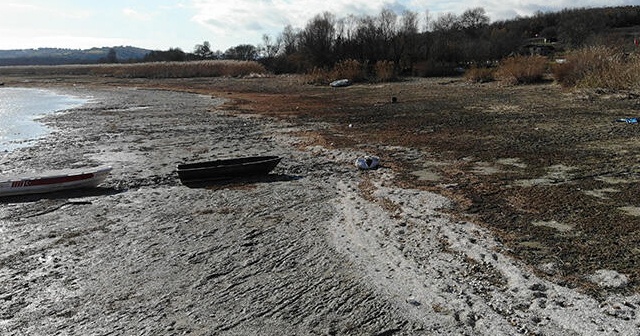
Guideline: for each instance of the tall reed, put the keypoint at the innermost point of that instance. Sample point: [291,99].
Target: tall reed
[522,69]
[208,68]
[599,67]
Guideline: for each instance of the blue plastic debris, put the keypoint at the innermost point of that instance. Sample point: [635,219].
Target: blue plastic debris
[629,120]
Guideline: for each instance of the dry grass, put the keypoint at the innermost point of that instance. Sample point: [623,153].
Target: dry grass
[318,76]
[599,67]
[355,71]
[350,69]
[522,69]
[223,68]
[384,71]
[480,75]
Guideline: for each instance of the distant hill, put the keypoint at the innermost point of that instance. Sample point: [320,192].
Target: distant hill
[57,56]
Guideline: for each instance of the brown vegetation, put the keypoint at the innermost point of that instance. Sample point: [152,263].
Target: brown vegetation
[210,68]
[385,71]
[355,71]
[480,74]
[522,69]
[599,67]
[182,69]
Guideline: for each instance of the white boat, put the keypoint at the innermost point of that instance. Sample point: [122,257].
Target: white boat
[53,181]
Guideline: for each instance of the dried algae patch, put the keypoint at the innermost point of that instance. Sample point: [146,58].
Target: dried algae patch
[554,225]
[631,210]
[427,175]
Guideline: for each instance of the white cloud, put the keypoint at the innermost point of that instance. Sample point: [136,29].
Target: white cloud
[132,13]
[248,20]
[224,23]
[245,21]
[17,6]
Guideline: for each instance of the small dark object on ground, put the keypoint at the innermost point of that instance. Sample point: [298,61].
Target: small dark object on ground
[628,120]
[368,162]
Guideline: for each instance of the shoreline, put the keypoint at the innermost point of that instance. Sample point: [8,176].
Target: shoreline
[309,254]
[32,128]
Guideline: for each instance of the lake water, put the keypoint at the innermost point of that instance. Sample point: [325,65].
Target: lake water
[19,108]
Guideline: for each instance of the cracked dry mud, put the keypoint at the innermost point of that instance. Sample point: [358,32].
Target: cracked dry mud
[318,248]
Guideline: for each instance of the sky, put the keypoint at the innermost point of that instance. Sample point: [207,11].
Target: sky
[164,24]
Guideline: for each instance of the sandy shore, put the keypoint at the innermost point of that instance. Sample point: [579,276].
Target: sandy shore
[304,252]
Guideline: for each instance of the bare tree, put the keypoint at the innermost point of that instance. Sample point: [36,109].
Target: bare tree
[388,24]
[428,21]
[475,18]
[409,23]
[203,50]
[407,40]
[446,22]
[243,52]
[317,40]
[290,40]
[270,48]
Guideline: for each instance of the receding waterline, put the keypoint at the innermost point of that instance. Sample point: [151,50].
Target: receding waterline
[21,107]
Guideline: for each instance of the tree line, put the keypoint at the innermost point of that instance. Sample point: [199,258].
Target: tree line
[423,45]
[420,44]
[417,43]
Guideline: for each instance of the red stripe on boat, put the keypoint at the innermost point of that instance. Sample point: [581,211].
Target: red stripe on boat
[51,180]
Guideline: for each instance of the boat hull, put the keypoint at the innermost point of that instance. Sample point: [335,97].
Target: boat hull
[57,181]
[193,173]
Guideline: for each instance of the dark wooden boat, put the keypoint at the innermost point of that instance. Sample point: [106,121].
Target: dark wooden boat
[201,172]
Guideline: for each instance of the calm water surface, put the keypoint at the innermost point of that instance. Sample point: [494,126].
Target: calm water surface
[19,109]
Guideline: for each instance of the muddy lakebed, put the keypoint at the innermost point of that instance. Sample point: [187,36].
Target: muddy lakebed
[497,210]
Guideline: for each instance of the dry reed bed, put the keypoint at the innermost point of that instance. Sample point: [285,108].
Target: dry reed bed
[599,67]
[590,67]
[355,71]
[208,68]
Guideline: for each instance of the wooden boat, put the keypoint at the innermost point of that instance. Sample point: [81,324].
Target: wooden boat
[194,173]
[53,181]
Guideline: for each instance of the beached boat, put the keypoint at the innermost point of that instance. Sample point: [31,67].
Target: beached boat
[200,172]
[53,181]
